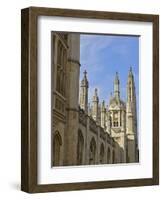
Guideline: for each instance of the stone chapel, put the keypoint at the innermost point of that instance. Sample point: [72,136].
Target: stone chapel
[89,133]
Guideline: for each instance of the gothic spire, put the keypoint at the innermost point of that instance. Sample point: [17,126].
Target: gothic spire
[130,74]
[103,106]
[131,117]
[130,86]
[95,106]
[84,82]
[95,96]
[103,115]
[116,86]
[84,93]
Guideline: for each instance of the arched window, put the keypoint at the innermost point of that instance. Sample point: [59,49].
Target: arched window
[57,142]
[80,148]
[115,123]
[102,153]
[108,155]
[61,67]
[92,152]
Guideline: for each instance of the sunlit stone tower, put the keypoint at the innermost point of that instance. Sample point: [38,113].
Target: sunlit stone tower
[88,133]
[103,115]
[118,119]
[116,87]
[131,120]
[95,106]
[65,97]
[117,114]
[84,93]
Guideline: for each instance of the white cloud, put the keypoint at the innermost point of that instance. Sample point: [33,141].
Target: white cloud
[91,46]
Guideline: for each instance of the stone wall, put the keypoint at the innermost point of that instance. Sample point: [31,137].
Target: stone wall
[104,144]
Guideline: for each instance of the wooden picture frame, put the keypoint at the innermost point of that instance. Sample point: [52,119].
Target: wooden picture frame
[29,173]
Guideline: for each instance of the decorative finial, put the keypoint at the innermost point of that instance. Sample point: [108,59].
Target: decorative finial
[95,96]
[84,81]
[103,105]
[95,91]
[130,71]
[85,72]
[116,77]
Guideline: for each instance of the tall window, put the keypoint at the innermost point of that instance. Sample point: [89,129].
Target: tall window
[61,68]
[113,156]
[108,155]
[115,119]
[57,142]
[115,124]
[102,153]
[92,153]
[80,148]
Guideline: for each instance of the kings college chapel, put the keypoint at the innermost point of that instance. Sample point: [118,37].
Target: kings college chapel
[88,133]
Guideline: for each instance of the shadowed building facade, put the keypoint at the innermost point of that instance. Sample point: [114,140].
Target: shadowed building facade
[88,133]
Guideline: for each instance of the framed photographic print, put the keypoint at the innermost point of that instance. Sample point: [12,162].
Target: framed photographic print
[90,99]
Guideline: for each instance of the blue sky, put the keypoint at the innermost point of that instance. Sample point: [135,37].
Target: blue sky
[102,55]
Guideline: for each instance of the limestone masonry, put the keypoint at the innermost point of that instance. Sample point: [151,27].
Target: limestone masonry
[88,133]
